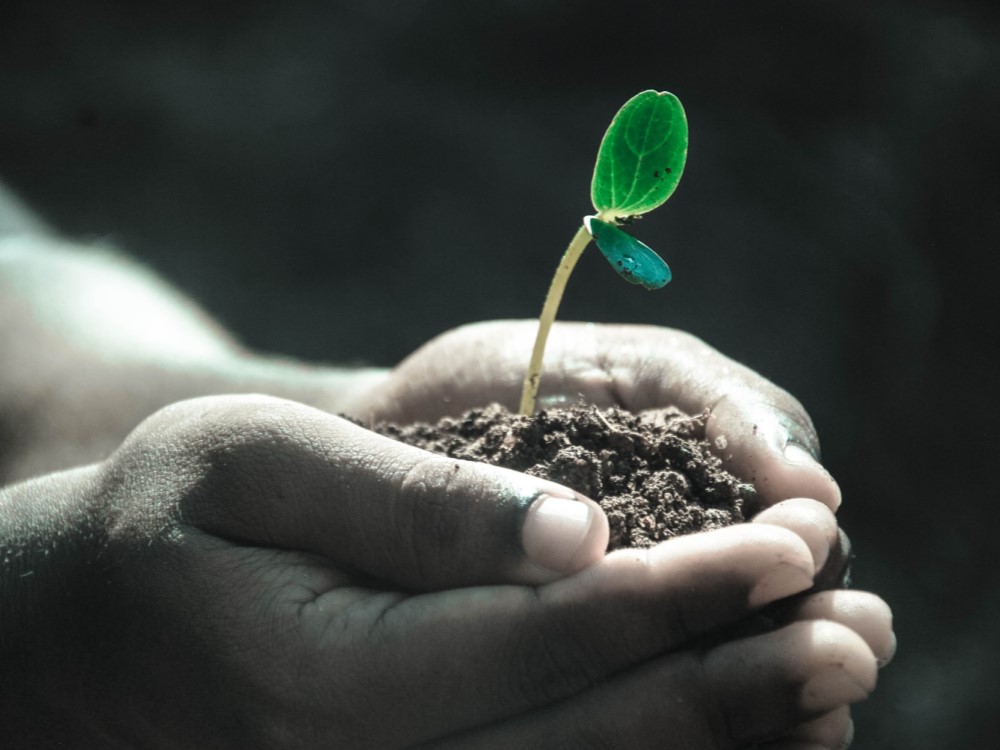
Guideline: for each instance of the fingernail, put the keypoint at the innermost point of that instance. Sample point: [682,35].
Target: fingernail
[832,688]
[890,652]
[796,454]
[848,738]
[790,577]
[554,531]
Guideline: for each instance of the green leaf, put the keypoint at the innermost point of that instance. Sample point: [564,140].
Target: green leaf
[641,157]
[634,261]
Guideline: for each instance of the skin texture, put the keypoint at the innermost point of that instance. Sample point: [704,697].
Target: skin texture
[186,564]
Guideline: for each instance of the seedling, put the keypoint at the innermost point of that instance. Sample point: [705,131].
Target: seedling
[639,164]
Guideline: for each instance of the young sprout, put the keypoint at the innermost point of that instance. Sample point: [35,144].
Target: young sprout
[638,167]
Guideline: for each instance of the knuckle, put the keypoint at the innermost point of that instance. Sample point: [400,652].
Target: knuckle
[428,510]
[195,460]
[205,425]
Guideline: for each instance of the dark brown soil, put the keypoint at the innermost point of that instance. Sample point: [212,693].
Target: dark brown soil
[653,472]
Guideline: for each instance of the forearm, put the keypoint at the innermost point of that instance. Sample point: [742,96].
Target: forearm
[93,343]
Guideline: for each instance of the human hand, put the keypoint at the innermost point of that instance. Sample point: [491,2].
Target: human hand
[261,574]
[761,432]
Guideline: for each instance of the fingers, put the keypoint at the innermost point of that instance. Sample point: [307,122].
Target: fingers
[811,520]
[734,695]
[274,473]
[514,649]
[864,613]
[867,616]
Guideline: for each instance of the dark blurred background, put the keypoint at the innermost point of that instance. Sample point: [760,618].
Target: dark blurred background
[342,181]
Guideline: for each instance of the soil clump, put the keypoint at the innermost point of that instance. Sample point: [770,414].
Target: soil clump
[653,472]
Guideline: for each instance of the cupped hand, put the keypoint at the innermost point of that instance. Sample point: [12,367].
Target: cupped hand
[761,432]
[272,576]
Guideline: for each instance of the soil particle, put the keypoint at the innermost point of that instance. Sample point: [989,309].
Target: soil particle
[653,472]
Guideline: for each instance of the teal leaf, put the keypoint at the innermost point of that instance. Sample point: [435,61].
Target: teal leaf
[634,261]
[641,157]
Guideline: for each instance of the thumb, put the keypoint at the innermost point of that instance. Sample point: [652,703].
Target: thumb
[773,444]
[285,475]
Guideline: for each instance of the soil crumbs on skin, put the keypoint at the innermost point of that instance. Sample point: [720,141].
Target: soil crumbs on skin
[652,472]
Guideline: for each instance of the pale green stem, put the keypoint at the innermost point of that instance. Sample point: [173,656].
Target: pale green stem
[529,392]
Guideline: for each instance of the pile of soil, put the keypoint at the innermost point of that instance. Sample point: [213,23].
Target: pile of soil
[652,472]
